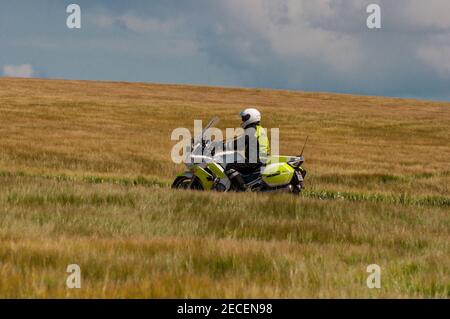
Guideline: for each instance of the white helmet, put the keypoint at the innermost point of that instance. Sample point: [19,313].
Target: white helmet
[250,116]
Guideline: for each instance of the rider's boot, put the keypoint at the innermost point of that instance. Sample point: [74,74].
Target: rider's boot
[236,178]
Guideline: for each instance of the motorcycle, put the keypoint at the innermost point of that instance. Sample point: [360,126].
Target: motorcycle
[206,170]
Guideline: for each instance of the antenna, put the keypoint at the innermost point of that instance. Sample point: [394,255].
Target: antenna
[301,154]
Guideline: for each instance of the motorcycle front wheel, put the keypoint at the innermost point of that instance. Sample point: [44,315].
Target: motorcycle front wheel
[296,188]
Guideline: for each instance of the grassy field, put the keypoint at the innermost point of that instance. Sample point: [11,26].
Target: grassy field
[85,171]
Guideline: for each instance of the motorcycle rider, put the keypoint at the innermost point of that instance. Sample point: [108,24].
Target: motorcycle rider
[255,145]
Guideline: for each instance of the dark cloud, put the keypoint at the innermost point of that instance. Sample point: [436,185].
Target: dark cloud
[326,46]
[321,45]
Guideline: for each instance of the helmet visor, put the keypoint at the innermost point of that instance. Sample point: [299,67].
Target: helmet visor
[245,117]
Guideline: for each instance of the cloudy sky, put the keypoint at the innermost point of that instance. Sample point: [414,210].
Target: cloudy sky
[320,45]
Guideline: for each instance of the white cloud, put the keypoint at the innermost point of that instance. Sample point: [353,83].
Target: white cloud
[162,32]
[436,57]
[19,71]
[339,51]
[429,14]
[288,29]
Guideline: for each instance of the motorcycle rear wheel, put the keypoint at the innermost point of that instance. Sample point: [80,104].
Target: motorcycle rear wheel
[184,182]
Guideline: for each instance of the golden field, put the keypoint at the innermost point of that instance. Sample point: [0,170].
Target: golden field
[85,172]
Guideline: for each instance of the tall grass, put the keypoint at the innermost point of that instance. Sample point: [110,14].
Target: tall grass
[85,175]
[139,241]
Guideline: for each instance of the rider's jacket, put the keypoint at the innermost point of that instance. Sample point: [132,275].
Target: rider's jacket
[254,143]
